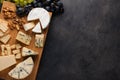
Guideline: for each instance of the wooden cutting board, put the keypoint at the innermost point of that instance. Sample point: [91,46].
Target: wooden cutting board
[13,33]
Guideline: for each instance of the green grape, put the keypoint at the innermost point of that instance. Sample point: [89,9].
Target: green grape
[25,3]
[16,1]
[21,2]
[29,1]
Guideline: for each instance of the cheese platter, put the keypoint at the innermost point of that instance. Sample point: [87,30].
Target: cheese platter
[24,26]
[11,55]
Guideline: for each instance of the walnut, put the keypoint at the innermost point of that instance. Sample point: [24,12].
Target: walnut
[8,13]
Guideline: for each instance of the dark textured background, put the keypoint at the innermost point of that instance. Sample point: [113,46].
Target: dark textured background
[83,43]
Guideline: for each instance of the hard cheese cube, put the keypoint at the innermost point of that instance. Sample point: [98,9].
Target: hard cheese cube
[24,38]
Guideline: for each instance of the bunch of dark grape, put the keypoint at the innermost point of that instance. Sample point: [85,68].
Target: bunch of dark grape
[54,6]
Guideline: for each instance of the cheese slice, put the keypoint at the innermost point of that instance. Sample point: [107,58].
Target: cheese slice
[28,26]
[5,39]
[37,28]
[41,14]
[23,69]
[24,38]
[28,52]
[3,25]
[7,61]
[39,40]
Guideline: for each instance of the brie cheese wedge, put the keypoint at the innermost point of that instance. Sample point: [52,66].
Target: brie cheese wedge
[23,69]
[37,28]
[28,26]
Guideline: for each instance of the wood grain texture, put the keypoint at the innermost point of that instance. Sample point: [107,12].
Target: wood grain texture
[13,33]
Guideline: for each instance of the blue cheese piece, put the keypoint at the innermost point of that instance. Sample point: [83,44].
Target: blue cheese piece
[23,69]
[24,38]
[28,26]
[39,40]
[28,52]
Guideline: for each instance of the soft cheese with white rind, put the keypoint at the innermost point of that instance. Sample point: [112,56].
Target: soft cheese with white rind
[7,61]
[41,14]
[37,28]
[28,26]
[23,69]
[28,52]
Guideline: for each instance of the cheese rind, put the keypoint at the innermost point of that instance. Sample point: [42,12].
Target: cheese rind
[28,52]
[39,40]
[24,38]
[23,69]
[7,61]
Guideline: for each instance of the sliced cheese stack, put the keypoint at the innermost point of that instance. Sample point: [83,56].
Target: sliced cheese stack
[42,15]
[23,69]
[28,52]
[7,61]
[3,25]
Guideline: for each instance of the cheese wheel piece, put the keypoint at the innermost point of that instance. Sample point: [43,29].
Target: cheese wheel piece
[28,26]
[23,69]
[7,61]
[41,14]
[37,28]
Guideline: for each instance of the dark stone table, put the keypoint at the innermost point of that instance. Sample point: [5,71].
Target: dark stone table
[83,43]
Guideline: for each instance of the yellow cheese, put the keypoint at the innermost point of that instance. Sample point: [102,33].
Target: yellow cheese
[7,61]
